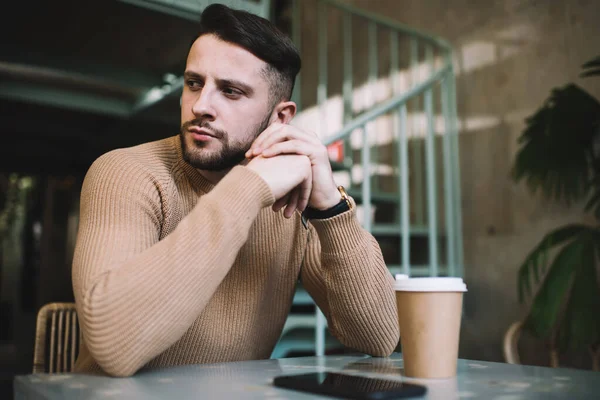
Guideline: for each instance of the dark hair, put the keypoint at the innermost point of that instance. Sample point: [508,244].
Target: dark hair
[261,38]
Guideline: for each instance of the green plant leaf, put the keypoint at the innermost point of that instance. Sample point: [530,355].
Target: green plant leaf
[547,304]
[594,62]
[591,67]
[590,72]
[581,322]
[556,153]
[536,261]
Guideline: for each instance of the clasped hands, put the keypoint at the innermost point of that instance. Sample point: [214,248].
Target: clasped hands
[295,165]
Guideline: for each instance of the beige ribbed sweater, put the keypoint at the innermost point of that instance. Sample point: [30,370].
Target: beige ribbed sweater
[170,269]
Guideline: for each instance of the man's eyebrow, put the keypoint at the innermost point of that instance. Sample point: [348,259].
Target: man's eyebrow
[247,89]
[191,74]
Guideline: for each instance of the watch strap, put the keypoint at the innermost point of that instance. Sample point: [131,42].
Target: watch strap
[341,207]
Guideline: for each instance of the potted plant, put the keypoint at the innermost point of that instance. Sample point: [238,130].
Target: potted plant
[559,155]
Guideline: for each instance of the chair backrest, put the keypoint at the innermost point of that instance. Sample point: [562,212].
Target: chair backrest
[57,338]
[511,341]
[511,350]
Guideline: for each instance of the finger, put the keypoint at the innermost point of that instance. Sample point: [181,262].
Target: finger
[292,203]
[290,147]
[280,203]
[266,140]
[287,133]
[305,191]
[274,127]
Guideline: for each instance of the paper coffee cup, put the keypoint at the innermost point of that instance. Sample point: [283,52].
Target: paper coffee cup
[429,315]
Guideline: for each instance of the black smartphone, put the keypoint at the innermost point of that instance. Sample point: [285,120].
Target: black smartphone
[350,386]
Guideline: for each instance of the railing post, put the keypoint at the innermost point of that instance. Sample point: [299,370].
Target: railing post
[403,188]
[394,62]
[431,173]
[448,177]
[399,128]
[456,173]
[417,163]
[321,99]
[319,332]
[373,58]
[322,86]
[366,184]
[347,85]
[373,72]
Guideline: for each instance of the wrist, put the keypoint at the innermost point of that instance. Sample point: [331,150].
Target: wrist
[342,204]
[333,199]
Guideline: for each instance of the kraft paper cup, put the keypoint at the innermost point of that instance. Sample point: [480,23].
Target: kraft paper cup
[429,316]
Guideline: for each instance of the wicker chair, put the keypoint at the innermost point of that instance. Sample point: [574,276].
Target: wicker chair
[510,343]
[511,350]
[57,338]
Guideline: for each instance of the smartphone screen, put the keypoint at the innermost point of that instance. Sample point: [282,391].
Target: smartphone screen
[349,386]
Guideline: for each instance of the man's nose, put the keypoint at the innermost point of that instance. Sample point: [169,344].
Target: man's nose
[203,107]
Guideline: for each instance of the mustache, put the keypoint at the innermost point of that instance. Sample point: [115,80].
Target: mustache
[202,123]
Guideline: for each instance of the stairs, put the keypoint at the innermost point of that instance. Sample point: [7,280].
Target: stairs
[395,152]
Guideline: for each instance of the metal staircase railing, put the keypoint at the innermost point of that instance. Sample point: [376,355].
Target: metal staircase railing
[413,128]
[437,88]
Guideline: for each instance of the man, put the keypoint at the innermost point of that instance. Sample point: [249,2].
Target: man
[183,253]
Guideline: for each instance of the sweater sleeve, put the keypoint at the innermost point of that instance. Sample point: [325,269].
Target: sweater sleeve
[136,295]
[345,274]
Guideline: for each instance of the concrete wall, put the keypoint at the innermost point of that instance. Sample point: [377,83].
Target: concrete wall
[509,55]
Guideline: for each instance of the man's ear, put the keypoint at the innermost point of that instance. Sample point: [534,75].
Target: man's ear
[284,112]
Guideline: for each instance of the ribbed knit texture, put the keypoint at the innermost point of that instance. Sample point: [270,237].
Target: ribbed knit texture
[170,269]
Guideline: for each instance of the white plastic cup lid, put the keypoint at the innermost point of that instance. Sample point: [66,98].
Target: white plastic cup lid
[438,284]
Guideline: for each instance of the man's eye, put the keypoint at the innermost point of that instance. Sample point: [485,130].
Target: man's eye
[194,84]
[231,92]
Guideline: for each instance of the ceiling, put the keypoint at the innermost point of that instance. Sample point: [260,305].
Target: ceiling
[79,78]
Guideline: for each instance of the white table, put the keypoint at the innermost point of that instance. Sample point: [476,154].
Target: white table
[253,380]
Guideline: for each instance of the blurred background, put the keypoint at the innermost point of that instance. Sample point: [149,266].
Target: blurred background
[467,131]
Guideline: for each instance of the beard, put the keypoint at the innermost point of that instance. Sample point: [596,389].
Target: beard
[230,154]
